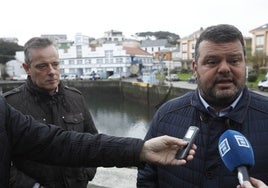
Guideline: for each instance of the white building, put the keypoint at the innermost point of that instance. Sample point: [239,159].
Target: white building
[81,39]
[153,46]
[107,59]
[14,67]
[113,35]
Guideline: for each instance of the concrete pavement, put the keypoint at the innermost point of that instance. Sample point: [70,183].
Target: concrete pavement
[114,177]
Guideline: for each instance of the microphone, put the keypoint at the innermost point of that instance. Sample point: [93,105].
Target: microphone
[237,154]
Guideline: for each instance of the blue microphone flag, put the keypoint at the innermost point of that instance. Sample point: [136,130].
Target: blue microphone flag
[235,150]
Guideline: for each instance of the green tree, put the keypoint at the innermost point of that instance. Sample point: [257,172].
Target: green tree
[171,37]
[8,51]
[256,60]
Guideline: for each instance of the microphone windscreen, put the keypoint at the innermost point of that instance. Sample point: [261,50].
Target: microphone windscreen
[235,150]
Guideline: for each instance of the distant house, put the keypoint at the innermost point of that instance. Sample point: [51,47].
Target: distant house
[176,59]
[14,69]
[153,46]
[161,50]
[113,35]
[260,43]
[187,48]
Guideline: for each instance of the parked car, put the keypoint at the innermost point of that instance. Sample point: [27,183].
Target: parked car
[90,77]
[192,80]
[172,77]
[96,77]
[114,77]
[20,77]
[148,78]
[71,77]
[86,77]
[263,84]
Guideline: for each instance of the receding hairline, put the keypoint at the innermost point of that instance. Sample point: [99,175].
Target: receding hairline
[36,43]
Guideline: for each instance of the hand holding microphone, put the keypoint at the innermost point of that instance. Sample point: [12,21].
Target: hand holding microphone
[254,183]
[236,153]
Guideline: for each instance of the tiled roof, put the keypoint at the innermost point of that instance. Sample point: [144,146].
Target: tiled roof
[263,27]
[135,51]
[150,43]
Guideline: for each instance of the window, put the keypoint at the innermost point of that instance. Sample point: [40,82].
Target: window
[79,61]
[259,50]
[184,56]
[119,60]
[184,47]
[259,40]
[108,53]
[99,61]
[79,51]
[88,61]
[193,46]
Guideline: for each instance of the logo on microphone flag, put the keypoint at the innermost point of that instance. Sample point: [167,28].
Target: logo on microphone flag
[224,147]
[242,141]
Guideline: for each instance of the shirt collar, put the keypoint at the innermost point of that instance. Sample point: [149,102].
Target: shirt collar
[224,111]
[57,89]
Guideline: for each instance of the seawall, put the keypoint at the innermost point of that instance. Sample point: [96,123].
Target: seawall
[148,94]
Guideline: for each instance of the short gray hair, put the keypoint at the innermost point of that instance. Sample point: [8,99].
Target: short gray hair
[33,43]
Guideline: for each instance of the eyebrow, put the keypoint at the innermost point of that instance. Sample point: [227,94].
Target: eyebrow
[228,55]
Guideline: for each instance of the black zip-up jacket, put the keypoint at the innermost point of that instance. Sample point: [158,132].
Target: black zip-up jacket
[250,117]
[22,137]
[66,109]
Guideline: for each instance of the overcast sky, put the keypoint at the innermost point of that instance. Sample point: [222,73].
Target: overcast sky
[28,18]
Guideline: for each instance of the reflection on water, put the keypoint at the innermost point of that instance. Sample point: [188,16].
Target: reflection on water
[118,117]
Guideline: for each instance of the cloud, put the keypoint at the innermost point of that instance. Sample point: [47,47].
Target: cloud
[28,18]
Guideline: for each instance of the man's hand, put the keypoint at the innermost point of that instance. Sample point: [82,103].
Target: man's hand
[255,183]
[163,149]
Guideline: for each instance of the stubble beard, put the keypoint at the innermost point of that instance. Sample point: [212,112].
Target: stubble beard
[218,98]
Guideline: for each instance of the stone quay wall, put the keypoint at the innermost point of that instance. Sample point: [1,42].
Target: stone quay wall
[144,93]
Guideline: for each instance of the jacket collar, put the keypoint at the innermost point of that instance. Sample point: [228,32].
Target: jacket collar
[237,114]
[40,92]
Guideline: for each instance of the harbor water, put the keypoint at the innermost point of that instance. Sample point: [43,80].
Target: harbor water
[114,116]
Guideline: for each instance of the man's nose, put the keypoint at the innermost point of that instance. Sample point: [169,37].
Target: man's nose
[224,66]
[50,68]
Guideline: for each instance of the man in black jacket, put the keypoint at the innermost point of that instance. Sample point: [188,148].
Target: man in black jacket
[45,98]
[221,101]
[23,137]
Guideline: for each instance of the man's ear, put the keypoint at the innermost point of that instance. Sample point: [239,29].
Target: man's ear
[194,69]
[26,68]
